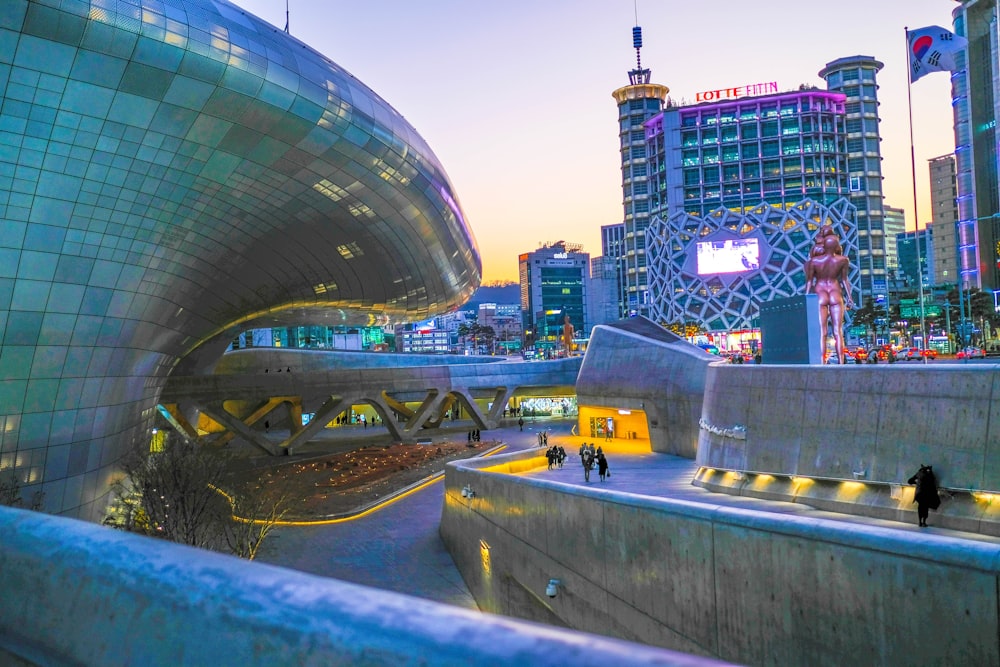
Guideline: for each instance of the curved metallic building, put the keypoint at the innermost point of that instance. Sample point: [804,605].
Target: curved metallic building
[171,172]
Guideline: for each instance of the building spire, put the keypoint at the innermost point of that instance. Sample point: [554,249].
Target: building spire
[638,75]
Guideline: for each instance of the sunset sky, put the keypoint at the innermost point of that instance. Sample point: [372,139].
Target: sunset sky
[515,97]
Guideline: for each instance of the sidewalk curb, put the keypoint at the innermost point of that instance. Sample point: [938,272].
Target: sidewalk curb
[375,505]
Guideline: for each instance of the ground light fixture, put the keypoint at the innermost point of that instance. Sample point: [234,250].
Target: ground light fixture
[467,491]
[553,588]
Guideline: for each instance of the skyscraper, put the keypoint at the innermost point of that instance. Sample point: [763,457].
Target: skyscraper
[975,97]
[637,102]
[855,76]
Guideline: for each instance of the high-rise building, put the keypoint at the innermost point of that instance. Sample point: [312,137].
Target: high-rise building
[944,212]
[737,153]
[637,102]
[975,100]
[895,224]
[737,203]
[855,76]
[602,306]
[916,256]
[613,248]
[553,286]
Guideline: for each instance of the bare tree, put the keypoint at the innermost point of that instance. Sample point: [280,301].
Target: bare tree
[255,512]
[10,493]
[179,494]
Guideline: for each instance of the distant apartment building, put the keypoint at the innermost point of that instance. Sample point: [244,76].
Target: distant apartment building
[613,248]
[422,340]
[894,225]
[944,212]
[603,303]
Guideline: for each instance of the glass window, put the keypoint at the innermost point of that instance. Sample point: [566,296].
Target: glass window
[769,148]
[769,129]
[749,131]
[751,170]
[749,151]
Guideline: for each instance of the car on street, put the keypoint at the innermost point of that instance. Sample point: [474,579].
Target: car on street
[971,353]
[858,354]
[910,354]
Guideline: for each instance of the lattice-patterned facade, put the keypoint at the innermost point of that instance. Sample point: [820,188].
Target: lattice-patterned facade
[730,301]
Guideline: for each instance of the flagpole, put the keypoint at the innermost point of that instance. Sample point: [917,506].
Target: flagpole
[913,178]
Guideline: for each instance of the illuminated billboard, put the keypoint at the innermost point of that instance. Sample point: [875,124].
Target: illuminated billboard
[727,256]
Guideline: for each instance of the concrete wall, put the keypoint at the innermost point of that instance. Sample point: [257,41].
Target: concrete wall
[636,365]
[872,424]
[748,587]
[78,594]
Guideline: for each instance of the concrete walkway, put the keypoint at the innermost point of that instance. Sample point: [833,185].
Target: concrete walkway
[398,548]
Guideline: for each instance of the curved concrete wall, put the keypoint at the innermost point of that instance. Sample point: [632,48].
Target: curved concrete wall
[871,424]
[172,174]
[108,598]
[637,365]
[750,587]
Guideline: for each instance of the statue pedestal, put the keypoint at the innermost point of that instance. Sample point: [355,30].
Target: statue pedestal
[790,331]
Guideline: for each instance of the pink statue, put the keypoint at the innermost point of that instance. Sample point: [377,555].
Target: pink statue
[826,274]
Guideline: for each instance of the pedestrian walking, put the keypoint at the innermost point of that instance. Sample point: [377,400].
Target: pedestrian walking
[588,463]
[602,465]
[520,424]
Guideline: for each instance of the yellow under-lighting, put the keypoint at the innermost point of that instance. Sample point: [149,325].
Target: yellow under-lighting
[484,555]
[802,480]
[850,490]
[987,498]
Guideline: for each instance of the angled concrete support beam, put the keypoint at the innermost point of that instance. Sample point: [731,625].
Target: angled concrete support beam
[467,402]
[446,403]
[333,406]
[500,400]
[424,412]
[175,417]
[236,426]
[397,406]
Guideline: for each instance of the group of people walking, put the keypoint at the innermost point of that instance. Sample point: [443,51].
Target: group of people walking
[591,458]
[555,456]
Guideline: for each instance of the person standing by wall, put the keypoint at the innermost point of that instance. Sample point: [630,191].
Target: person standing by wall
[926,495]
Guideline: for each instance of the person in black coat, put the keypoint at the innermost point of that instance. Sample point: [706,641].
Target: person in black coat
[926,496]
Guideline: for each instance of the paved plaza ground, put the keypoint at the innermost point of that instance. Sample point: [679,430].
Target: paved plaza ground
[398,547]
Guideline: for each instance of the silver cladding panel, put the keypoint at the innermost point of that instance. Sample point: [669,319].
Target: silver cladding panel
[172,172]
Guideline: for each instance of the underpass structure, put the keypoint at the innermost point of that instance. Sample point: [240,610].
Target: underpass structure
[409,392]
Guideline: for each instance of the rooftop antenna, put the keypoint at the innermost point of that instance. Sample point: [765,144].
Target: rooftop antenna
[286,16]
[638,75]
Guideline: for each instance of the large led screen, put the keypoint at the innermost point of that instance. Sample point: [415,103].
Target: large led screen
[729,256]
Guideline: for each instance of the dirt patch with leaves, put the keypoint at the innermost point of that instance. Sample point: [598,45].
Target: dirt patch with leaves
[324,486]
